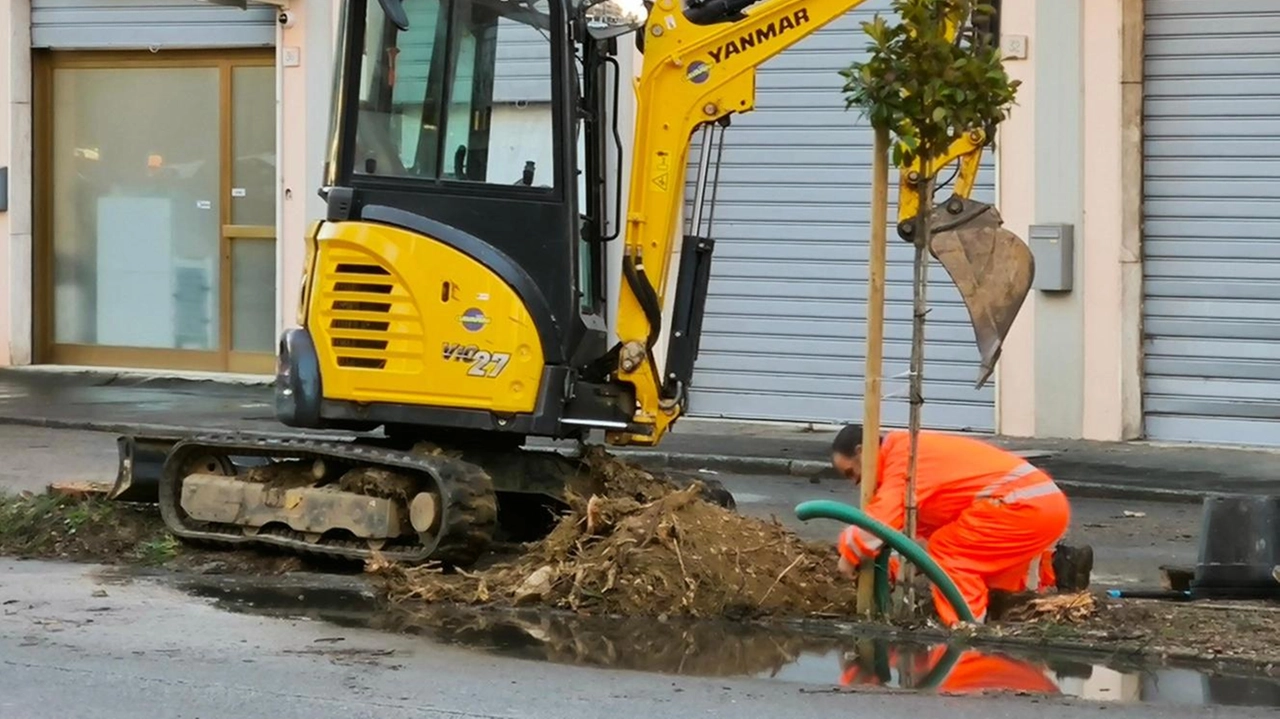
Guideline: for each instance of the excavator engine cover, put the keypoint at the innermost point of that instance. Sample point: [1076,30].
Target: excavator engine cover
[992,267]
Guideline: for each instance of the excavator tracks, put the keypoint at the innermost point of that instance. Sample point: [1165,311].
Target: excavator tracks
[462,500]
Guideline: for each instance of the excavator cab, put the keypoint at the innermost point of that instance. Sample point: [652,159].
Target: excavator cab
[457,282]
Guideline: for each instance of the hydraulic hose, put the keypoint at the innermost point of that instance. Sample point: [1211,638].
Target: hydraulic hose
[914,553]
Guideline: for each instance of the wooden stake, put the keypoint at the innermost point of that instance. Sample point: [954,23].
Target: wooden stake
[875,346]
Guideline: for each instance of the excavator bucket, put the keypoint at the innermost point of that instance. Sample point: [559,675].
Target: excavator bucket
[991,266]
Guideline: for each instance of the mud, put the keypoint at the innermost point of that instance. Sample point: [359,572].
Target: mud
[823,656]
[1241,634]
[643,548]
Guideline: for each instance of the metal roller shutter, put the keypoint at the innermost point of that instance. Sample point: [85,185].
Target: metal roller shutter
[140,24]
[785,330]
[1212,221]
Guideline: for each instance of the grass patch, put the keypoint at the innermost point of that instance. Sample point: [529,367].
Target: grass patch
[159,551]
[94,529]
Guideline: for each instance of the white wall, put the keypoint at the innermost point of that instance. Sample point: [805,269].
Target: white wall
[630,63]
[304,121]
[15,153]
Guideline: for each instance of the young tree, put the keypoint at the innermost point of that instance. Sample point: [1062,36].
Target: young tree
[928,81]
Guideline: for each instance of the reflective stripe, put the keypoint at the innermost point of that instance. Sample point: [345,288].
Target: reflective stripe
[861,543]
[1018,472]
[1042,489]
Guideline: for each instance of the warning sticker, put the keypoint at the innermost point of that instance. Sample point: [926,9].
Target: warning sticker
[661,172]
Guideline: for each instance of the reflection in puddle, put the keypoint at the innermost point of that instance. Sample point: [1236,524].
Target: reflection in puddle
[731,649]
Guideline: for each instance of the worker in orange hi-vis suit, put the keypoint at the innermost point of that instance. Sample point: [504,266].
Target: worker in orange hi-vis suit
[985,513]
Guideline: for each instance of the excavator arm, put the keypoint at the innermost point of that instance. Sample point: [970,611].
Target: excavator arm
[699,68]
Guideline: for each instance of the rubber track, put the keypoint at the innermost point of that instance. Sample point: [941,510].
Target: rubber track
[468,511]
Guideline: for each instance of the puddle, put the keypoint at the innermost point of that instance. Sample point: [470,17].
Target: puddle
[730,649]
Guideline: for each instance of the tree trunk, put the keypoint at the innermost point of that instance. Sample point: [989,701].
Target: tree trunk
[924,231]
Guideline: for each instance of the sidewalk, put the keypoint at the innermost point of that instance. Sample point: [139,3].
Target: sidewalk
[134,404]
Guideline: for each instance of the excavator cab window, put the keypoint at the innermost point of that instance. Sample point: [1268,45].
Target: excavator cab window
[462,95]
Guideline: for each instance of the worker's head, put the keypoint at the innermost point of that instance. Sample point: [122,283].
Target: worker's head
[846,452]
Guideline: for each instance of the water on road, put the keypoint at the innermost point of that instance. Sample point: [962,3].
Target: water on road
[829,657]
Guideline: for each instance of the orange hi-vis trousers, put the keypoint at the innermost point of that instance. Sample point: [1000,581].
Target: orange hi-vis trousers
[986,514]
[993,542]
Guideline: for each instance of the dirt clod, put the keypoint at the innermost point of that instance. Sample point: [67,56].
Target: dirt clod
[537,586]
[282,475]
[378,482]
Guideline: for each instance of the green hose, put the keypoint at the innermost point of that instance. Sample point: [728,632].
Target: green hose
[914,553]
[880,587]
[942,669]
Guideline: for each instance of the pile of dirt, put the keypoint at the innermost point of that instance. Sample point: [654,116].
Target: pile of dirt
[645,546]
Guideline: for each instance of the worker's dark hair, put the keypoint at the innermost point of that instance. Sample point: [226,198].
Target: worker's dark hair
[847,440]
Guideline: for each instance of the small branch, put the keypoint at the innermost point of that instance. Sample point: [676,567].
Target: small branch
[779,579]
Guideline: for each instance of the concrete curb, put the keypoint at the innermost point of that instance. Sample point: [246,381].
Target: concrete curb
[820,470]
[155,430]
[136,378]
[654,459]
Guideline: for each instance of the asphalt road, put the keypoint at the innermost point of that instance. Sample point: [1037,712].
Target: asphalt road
[1128,550]
[32,457]
[77,642]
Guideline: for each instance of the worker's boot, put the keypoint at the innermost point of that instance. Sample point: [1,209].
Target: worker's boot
[1072,567]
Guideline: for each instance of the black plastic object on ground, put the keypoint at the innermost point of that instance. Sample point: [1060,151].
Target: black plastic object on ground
[1239,548]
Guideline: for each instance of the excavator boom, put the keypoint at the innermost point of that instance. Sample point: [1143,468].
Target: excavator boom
[700,63]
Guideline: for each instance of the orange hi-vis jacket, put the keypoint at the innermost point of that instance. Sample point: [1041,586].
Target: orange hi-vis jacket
[985,512]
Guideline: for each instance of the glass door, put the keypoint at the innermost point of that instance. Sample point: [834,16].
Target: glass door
[157,210]
[250,236]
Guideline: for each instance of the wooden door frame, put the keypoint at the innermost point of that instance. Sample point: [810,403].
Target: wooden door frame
[46,349]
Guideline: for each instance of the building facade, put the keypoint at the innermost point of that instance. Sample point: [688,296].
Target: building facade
[163,160]
[153,177]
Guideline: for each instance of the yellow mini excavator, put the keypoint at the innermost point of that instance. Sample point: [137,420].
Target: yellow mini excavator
[453,305]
